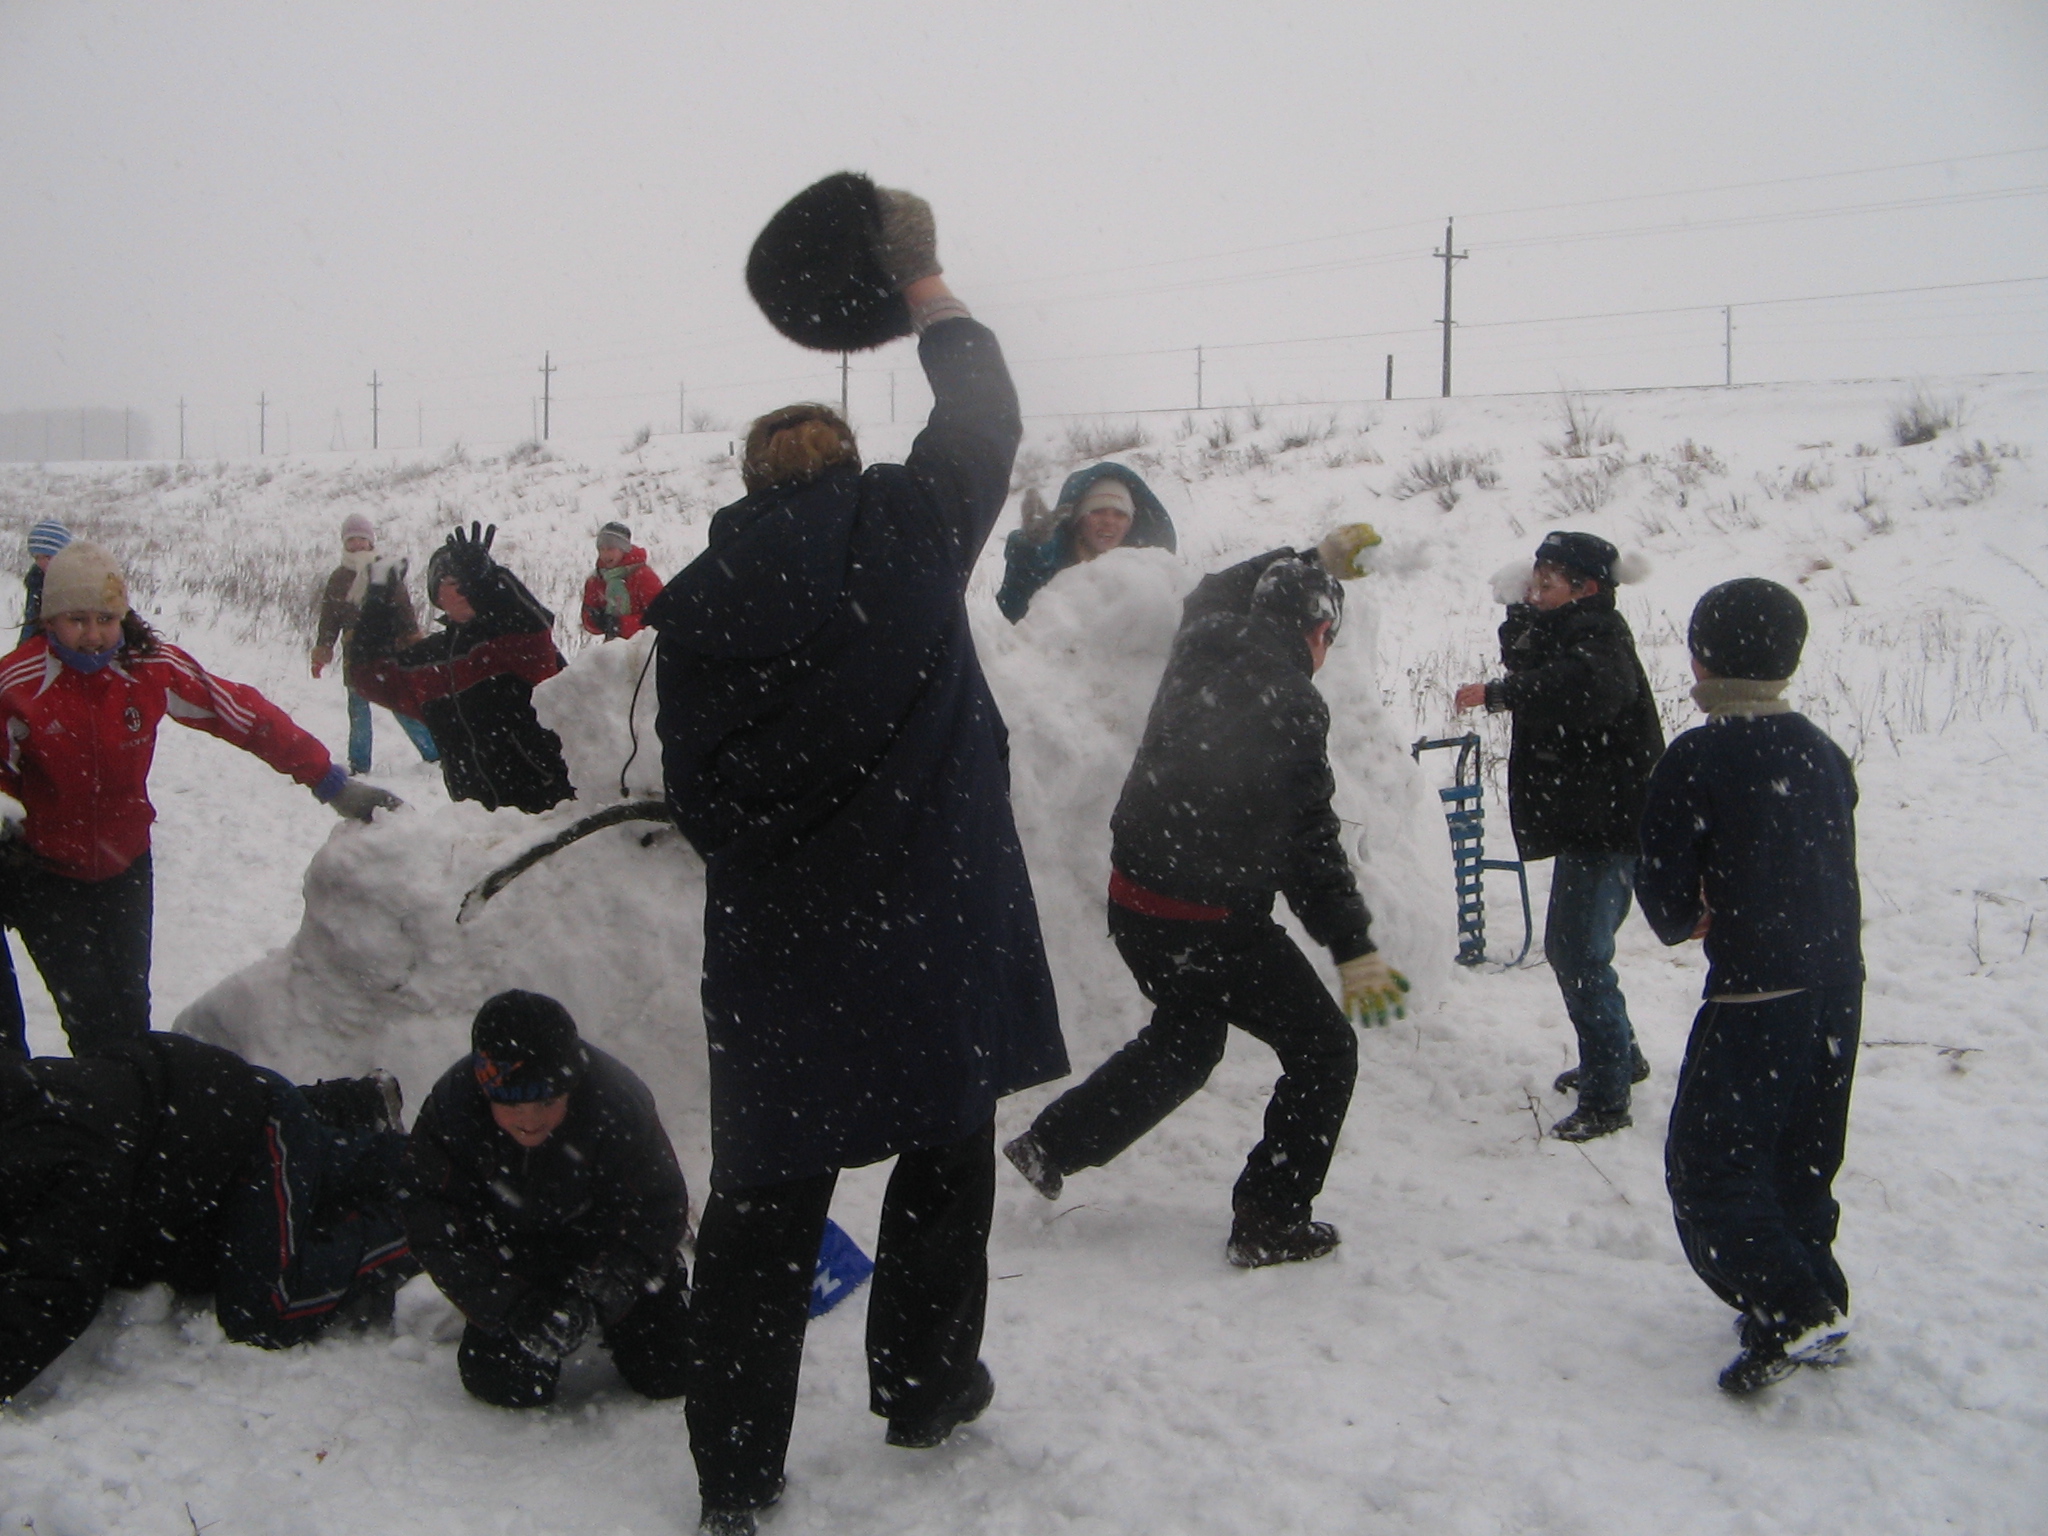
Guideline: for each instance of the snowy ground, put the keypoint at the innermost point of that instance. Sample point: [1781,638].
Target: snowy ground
[1509,1341]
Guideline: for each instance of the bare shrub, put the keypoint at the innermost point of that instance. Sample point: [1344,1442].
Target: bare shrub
[1809,479]
[1577,490]
[638,440]
[706,421]
[1100,439]
[1972,474]
[1924,417]
[1306,436]
[532,451]
[1866,507]
[1429,426]
[1588,434]
[1731,515]
[1441,472]
[1221,434]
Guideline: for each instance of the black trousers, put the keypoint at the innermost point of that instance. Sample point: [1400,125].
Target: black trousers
[1756,1137]
[648,1345]
[1202,978]
[90,939]
[757,1250]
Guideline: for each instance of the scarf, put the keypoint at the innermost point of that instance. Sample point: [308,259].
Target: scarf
[1741,697]
[87,662]
[358,561]
[618,602]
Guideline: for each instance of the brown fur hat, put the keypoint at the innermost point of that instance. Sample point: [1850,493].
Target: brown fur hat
[795,445]
[815,272]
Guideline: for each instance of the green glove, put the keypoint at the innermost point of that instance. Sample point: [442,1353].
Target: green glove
[1372,989]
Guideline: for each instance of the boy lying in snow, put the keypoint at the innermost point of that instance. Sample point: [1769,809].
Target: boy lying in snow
[170,1159]
[1750,841]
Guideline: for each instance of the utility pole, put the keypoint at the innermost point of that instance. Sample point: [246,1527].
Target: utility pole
[1390,375]
[421,407]
[547,393]
[1728,345]
[845,361]
[262,424]
[126,451]
[1448,255]
[682,408]
[181,429]
[1198,378]
[375,440]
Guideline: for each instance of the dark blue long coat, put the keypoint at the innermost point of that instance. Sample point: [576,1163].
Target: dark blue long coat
[874,979]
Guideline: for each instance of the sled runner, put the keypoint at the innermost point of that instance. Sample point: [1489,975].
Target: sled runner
[1465,810]
[611,816]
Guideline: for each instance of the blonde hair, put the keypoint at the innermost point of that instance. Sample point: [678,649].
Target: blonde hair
[796,444]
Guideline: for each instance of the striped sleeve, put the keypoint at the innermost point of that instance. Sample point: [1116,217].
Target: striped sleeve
[237,713]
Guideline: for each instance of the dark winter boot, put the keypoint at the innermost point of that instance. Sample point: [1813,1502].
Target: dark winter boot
[1029,1159]
[1256,1241]
[964,1407]
[1567,1081]
[372,1103]
[1768,1356]
[1584,1124]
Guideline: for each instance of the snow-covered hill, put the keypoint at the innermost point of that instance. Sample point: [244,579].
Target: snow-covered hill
[1509,1339]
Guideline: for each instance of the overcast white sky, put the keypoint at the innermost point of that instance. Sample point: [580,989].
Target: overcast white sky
[219,200]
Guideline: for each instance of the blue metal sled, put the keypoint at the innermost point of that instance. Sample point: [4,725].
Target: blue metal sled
[1465,811]
[842,1269]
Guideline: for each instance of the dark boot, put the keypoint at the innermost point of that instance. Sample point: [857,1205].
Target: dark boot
[1585,1124]
[964,1407]
[1567,1081]
[1256,1241]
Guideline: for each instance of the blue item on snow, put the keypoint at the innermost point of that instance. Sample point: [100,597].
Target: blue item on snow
[842,1269]
[1465,810]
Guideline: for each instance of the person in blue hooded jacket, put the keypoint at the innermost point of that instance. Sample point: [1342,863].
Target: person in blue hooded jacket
[874,976]
[1102,507]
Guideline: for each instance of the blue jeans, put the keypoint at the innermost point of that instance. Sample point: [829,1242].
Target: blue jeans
[1589,897]
[359,734]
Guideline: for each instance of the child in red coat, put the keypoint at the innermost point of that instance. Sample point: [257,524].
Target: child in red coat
[619,590]
[79,708]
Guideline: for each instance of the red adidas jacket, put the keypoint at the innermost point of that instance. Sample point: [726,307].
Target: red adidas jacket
[642,588]
[79,746]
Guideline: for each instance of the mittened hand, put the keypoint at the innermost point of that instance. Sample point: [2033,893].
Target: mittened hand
[1341,549]
[610,1294]
[1372,990]
[1039,519]
[909,244]
[356,800]
[376,632]
[549,1327]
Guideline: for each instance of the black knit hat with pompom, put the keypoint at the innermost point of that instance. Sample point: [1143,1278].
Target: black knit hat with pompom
[815,272]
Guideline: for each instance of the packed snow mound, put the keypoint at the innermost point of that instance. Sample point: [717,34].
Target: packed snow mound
[382,971]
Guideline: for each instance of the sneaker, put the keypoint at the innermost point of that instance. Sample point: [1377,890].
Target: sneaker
[964,1407]
[1768,1357]
[1825,1343]
[1029,1159]
[1757,1367]
[1256,1242]
[1584,1124]
[1567,1081]
[372,1103]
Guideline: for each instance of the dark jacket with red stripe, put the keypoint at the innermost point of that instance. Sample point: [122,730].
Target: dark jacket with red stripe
[1228,800]
[642,588]
[78,746]
[492,1220]
[112,1172]
[473,686]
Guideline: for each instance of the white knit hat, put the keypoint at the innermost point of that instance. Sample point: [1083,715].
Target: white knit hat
[83,578]
[357,525]
[1107,492]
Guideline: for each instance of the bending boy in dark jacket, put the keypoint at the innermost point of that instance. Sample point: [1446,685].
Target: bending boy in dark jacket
[544,1198]
[173,1160]
[473,683]
[1750,840]
[1227,804]
[1586,735]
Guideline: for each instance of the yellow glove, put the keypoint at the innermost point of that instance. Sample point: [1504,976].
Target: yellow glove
[1341,548]
[1372,989]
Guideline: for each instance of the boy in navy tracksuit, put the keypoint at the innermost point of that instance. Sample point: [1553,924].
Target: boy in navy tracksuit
[1749,840]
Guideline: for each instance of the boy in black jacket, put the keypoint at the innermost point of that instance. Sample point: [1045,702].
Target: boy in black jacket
[1750,841]
[1227,804]
[177,1161]
[473,683]
[544,1198]
[1586,735]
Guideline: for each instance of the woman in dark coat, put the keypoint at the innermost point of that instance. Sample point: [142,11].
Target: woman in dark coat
[874,978]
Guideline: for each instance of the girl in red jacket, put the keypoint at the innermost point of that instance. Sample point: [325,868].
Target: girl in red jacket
[619,590]
[79,709]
